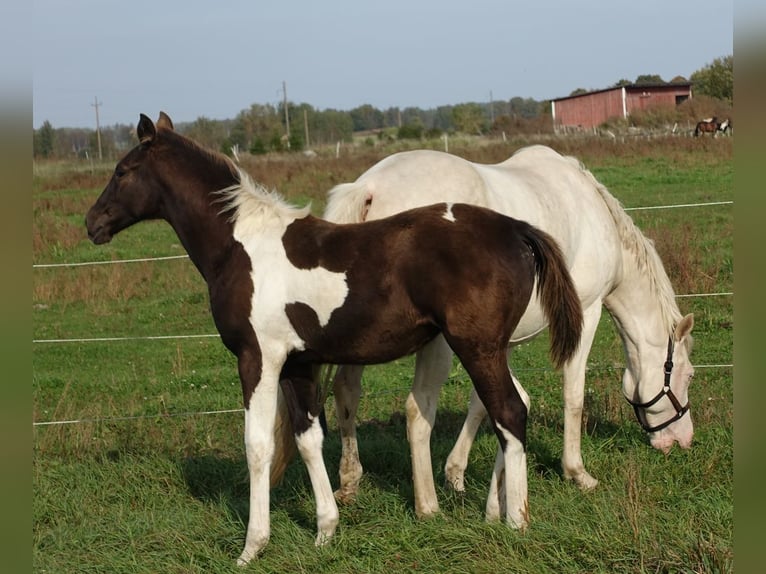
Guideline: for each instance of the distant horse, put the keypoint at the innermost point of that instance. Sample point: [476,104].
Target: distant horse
[289,291]
[707,126]
[610,261]
[725,126]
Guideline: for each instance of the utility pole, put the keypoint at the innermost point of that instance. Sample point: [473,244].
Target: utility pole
[96,104]
[491,108]
[287,115]
[306,126]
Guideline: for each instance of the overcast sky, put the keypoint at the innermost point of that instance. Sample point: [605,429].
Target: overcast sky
[214,59]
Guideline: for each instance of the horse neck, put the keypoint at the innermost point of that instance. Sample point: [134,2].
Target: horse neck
[643,307]
[642,302]
[190,207]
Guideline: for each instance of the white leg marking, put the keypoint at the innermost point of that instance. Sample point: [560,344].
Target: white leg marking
[495,504]
[259,449]
[310,447]
[516,497]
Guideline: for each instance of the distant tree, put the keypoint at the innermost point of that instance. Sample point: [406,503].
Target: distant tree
[621,83]
[412,131]
[679,80]
[469,118]
[256,122]
[332,126]
[392,118]
[258,146]
[43,140]
[716,79]
[578,92]
[524,107]
[296,141]
[207,132]
[413,116]
[366,117]
[648,79]
[442,119]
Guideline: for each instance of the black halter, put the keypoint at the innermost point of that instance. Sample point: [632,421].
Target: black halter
[666,391]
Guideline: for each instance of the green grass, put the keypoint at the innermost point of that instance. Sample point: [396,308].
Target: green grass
[142,486]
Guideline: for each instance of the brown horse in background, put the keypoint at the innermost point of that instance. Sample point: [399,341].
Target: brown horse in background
[707,126]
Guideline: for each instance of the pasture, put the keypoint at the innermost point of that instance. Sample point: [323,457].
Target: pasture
[146,481]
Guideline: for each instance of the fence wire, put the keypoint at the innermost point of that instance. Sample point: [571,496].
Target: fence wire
[212,335]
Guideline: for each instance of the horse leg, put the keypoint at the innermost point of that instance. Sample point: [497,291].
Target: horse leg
[574,397]
[347,388]
[457,461]
[498,497]
[432,367]
[309,436]
[507,405]
[260,415]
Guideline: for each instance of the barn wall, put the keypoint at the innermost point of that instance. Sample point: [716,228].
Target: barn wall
[590,110]
[642,99]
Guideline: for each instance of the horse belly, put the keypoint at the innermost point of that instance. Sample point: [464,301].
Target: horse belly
[531,324]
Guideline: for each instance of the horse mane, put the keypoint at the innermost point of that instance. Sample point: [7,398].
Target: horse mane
[645,255]
[251,202]
[246,200]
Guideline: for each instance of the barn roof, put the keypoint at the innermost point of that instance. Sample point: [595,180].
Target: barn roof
[628,87]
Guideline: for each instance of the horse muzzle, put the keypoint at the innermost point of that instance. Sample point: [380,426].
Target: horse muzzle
[98,232]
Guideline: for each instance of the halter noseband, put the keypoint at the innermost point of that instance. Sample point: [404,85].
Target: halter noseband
[666,391]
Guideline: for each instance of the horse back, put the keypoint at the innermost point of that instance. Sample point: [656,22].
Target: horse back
[410,276]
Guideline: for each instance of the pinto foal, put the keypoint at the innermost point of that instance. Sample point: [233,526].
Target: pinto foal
[289,291]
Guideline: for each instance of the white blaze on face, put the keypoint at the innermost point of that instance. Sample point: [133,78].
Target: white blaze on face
[448,215]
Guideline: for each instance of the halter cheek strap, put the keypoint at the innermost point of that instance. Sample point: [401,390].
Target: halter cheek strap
[665,392]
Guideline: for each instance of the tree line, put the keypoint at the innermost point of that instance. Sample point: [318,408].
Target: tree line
[264,128]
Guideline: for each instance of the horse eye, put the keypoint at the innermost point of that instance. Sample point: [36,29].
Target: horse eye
[119,172]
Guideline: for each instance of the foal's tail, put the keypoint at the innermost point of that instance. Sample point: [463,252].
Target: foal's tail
[560,301]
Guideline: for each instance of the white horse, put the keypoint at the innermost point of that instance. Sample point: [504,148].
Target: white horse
[611,262]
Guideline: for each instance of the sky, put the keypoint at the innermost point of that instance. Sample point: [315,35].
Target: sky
[196,59]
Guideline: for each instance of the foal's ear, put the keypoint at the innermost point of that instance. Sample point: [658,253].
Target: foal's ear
[164,122]
[684,327]
[145,130]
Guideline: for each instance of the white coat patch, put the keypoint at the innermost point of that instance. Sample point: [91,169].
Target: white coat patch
[260,220]
[276,283]
[448,215]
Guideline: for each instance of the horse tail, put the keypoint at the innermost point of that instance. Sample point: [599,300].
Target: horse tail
[697,130]
[558,296]
[347,203]
[285,448]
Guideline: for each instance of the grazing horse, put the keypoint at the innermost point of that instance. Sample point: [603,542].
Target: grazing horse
[725,126]
[611,262]
[289,291]
[707,126]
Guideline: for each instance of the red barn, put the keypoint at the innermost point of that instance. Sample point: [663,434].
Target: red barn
[594,108]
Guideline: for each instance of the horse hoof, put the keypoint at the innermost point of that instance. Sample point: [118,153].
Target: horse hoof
[344,496]
[322,539]
[455,482]
[585,482]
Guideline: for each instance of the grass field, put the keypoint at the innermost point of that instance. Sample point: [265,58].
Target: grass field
[142,484]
